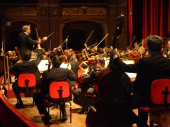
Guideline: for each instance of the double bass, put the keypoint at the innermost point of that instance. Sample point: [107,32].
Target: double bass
[110,88]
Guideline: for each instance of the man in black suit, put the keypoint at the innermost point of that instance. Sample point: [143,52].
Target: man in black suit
[26,42]
[148,69]
[25,66]
[54,74]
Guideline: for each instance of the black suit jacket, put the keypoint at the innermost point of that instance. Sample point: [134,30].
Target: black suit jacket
[74,66]
[25,42]
[27,67]
[55,74]
[147,69]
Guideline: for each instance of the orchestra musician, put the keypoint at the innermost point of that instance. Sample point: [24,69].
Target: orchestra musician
[26,42]
[166,50]
[54,74]
[25,66]
[86,84]
[136,52]
[147,69]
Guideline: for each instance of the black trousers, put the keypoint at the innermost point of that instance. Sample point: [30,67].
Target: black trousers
[39,99]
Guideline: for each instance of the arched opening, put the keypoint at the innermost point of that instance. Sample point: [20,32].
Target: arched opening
[80,32]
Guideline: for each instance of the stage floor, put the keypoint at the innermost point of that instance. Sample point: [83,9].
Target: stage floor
[31,112]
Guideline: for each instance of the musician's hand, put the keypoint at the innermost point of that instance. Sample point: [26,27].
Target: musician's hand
[19,61]
[113,54]
[85,45]
[45,38]
[39,41]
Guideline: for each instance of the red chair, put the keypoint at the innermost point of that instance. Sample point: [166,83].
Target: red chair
[59,92]
[27,84]
[160,97]
[80,72]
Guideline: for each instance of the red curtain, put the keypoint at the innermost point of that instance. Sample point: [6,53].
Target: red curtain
[155,18]
[130,22]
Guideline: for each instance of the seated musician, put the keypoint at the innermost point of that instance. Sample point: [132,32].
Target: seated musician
[147,69]
[166,50]
[54,74]
[139,48]
[25,66]
[137,52]
[86,84]
[13,58]
[56,52]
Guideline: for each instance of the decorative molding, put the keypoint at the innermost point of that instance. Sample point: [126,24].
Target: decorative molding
[43,11]
[21,11]
[84,10]
[54,11]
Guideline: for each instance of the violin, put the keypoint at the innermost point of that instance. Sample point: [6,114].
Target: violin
[19,56]
[134,55]
[12,55]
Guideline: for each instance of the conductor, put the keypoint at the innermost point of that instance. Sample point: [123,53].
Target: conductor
[26,42]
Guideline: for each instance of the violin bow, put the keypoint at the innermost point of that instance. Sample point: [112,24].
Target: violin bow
[85,44]
[37,33]
[144,40]
[102,39]
[50,34]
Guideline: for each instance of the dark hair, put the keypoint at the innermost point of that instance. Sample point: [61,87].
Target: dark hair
[26,55]
[154,43]
[56,61]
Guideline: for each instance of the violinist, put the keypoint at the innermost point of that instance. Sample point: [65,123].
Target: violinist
[137,52]
[139,48]
[13,57]
[166,50]
[94,50]
[26,42]
[58,51]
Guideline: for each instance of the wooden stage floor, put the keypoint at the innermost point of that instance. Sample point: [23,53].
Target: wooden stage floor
[31,112]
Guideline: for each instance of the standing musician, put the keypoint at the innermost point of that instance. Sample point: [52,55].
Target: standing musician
[26,42]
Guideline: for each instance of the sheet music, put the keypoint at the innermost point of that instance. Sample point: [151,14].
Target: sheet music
[43,65]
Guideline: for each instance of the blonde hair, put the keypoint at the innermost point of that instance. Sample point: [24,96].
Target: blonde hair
[25,28]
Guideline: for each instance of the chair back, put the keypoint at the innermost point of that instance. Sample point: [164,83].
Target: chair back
[26,79]
[80,72]
[59,90]
[160,91]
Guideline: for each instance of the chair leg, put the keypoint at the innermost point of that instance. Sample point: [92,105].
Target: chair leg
[151,123]
[86,107]
[60,114]
[70,112]
[48,115]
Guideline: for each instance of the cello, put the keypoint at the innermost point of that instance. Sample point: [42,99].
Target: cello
[110,88]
